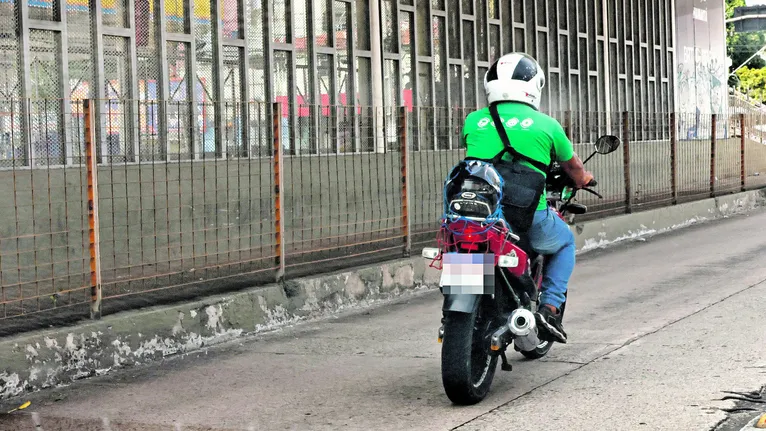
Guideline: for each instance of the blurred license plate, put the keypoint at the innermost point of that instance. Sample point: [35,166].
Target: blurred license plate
[468,274]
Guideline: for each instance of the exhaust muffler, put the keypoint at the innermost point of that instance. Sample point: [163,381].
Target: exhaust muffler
[524,328]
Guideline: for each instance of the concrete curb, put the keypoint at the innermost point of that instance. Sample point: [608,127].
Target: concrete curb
[600,233]
[49,358]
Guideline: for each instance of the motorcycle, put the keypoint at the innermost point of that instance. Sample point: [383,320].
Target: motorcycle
[491,278]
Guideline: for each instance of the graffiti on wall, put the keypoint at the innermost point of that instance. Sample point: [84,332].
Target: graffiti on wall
[702,68]
[701,81]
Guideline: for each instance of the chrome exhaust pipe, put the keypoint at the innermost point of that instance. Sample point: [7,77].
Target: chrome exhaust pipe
[524,328]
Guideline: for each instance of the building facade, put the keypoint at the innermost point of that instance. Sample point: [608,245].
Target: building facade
[188,78]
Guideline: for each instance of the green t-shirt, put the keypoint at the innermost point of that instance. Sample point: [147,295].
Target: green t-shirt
[531,133]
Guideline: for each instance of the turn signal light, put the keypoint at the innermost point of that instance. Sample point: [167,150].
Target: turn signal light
[508,261]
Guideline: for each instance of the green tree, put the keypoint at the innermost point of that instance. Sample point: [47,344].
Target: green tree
[753,81]
[740,46]
[731,4]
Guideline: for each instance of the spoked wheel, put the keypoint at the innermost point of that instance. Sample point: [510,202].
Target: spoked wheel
[468,366]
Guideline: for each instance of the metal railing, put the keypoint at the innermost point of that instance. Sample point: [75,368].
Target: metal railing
[117,218]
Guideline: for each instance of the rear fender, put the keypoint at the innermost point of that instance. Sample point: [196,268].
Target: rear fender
[460,303]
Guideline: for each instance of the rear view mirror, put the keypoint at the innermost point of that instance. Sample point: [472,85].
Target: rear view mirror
[607,144]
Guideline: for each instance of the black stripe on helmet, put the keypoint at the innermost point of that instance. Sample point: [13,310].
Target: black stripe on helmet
[492,72]
[525,70]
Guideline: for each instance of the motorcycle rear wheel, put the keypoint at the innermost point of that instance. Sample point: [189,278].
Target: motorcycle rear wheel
[468,367]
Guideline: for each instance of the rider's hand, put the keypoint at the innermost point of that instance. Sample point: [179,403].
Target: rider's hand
[576,172]
[587,178]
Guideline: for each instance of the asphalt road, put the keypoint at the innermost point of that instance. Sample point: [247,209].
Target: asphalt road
[659,331]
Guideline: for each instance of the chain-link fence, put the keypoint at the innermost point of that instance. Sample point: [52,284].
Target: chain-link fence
[44,259]
[109,217]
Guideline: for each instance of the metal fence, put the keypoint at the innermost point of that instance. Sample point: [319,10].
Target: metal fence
[102,215]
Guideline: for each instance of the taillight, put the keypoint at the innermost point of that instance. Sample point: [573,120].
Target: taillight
[472,232]
[469,236]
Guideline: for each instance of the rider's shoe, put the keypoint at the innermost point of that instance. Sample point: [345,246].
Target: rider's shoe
[549,323]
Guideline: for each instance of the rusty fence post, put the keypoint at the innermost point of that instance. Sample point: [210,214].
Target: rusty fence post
[626,161]
[406,176]
[742,130]
[279,207]
[674,157]
[713,121]
[93,224]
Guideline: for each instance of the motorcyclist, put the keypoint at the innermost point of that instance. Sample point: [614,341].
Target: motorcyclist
[514,82]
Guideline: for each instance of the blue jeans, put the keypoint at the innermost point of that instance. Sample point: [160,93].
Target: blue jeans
[550,236]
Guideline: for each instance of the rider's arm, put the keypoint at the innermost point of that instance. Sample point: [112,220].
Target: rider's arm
[568,159]
[576,171]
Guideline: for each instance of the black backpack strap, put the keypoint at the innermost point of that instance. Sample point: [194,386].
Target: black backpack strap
[507,143]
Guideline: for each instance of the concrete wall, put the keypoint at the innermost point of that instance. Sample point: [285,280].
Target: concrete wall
[43,238]
[167,224]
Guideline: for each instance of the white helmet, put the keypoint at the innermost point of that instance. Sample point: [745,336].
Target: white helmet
[515,77]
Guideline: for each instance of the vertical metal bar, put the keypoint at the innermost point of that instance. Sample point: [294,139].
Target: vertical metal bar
[313,80]
[672,41]
[622,55]
[279,209]
[405,165]
[530,24]
[500,15]
[135,127]
[377,76]
[218,78]
[292,92]
[626,164]
[474,54]
[432,108]
[334,99]
[674,158]
[268,51]
[22,9]
[164,86]
[742,175]
[568,124]
[244,78]
[191,85]
[446,63]
[352,86]
[713,121]
[607,72]
[99,79]
[93,225]
[65,103]
[415,71]
[455,112]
